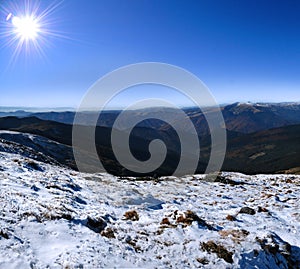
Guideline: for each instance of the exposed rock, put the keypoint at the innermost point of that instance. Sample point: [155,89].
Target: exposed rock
[262,209]
[247,210]
[283,253]
[203,261]
[96,224]
[32,165]
[3,234]
[217,177]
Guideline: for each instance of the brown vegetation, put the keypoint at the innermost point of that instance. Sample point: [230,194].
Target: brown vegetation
[222,252]
[236,235]
[109,233]
[131,215]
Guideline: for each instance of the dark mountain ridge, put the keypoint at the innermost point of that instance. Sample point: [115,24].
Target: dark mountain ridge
[239,117]
[268,151]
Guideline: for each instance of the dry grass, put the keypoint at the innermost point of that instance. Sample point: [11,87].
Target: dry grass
[109,233]
[237,236]
[189,217]
[231,218]
[131,215]
[165,221]
[133,243]
[221,251]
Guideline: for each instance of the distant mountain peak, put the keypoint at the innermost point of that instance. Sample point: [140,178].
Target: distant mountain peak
[238,108]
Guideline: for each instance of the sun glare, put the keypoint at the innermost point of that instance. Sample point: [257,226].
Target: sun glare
[26,28]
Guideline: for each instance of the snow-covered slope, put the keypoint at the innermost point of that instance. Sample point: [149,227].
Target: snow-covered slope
[22,150]
[38,146]
[52,217]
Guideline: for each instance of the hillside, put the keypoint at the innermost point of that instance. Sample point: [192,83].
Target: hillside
[239,117]
[53,217]
[266,151]
[269,151]
[38,146]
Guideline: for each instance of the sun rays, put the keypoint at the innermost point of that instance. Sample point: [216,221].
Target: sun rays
[27,27]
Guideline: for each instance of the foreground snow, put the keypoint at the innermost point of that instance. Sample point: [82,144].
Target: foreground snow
[56,218]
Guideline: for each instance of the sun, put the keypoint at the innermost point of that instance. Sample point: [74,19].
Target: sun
[26,28]
[29,27]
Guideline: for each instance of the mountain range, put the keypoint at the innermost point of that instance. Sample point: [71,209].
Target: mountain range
[239,117]
[261,138]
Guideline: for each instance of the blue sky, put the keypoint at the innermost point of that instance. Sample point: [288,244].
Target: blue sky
[242,50]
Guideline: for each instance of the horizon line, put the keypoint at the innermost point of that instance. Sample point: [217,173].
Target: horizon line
[10,109]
